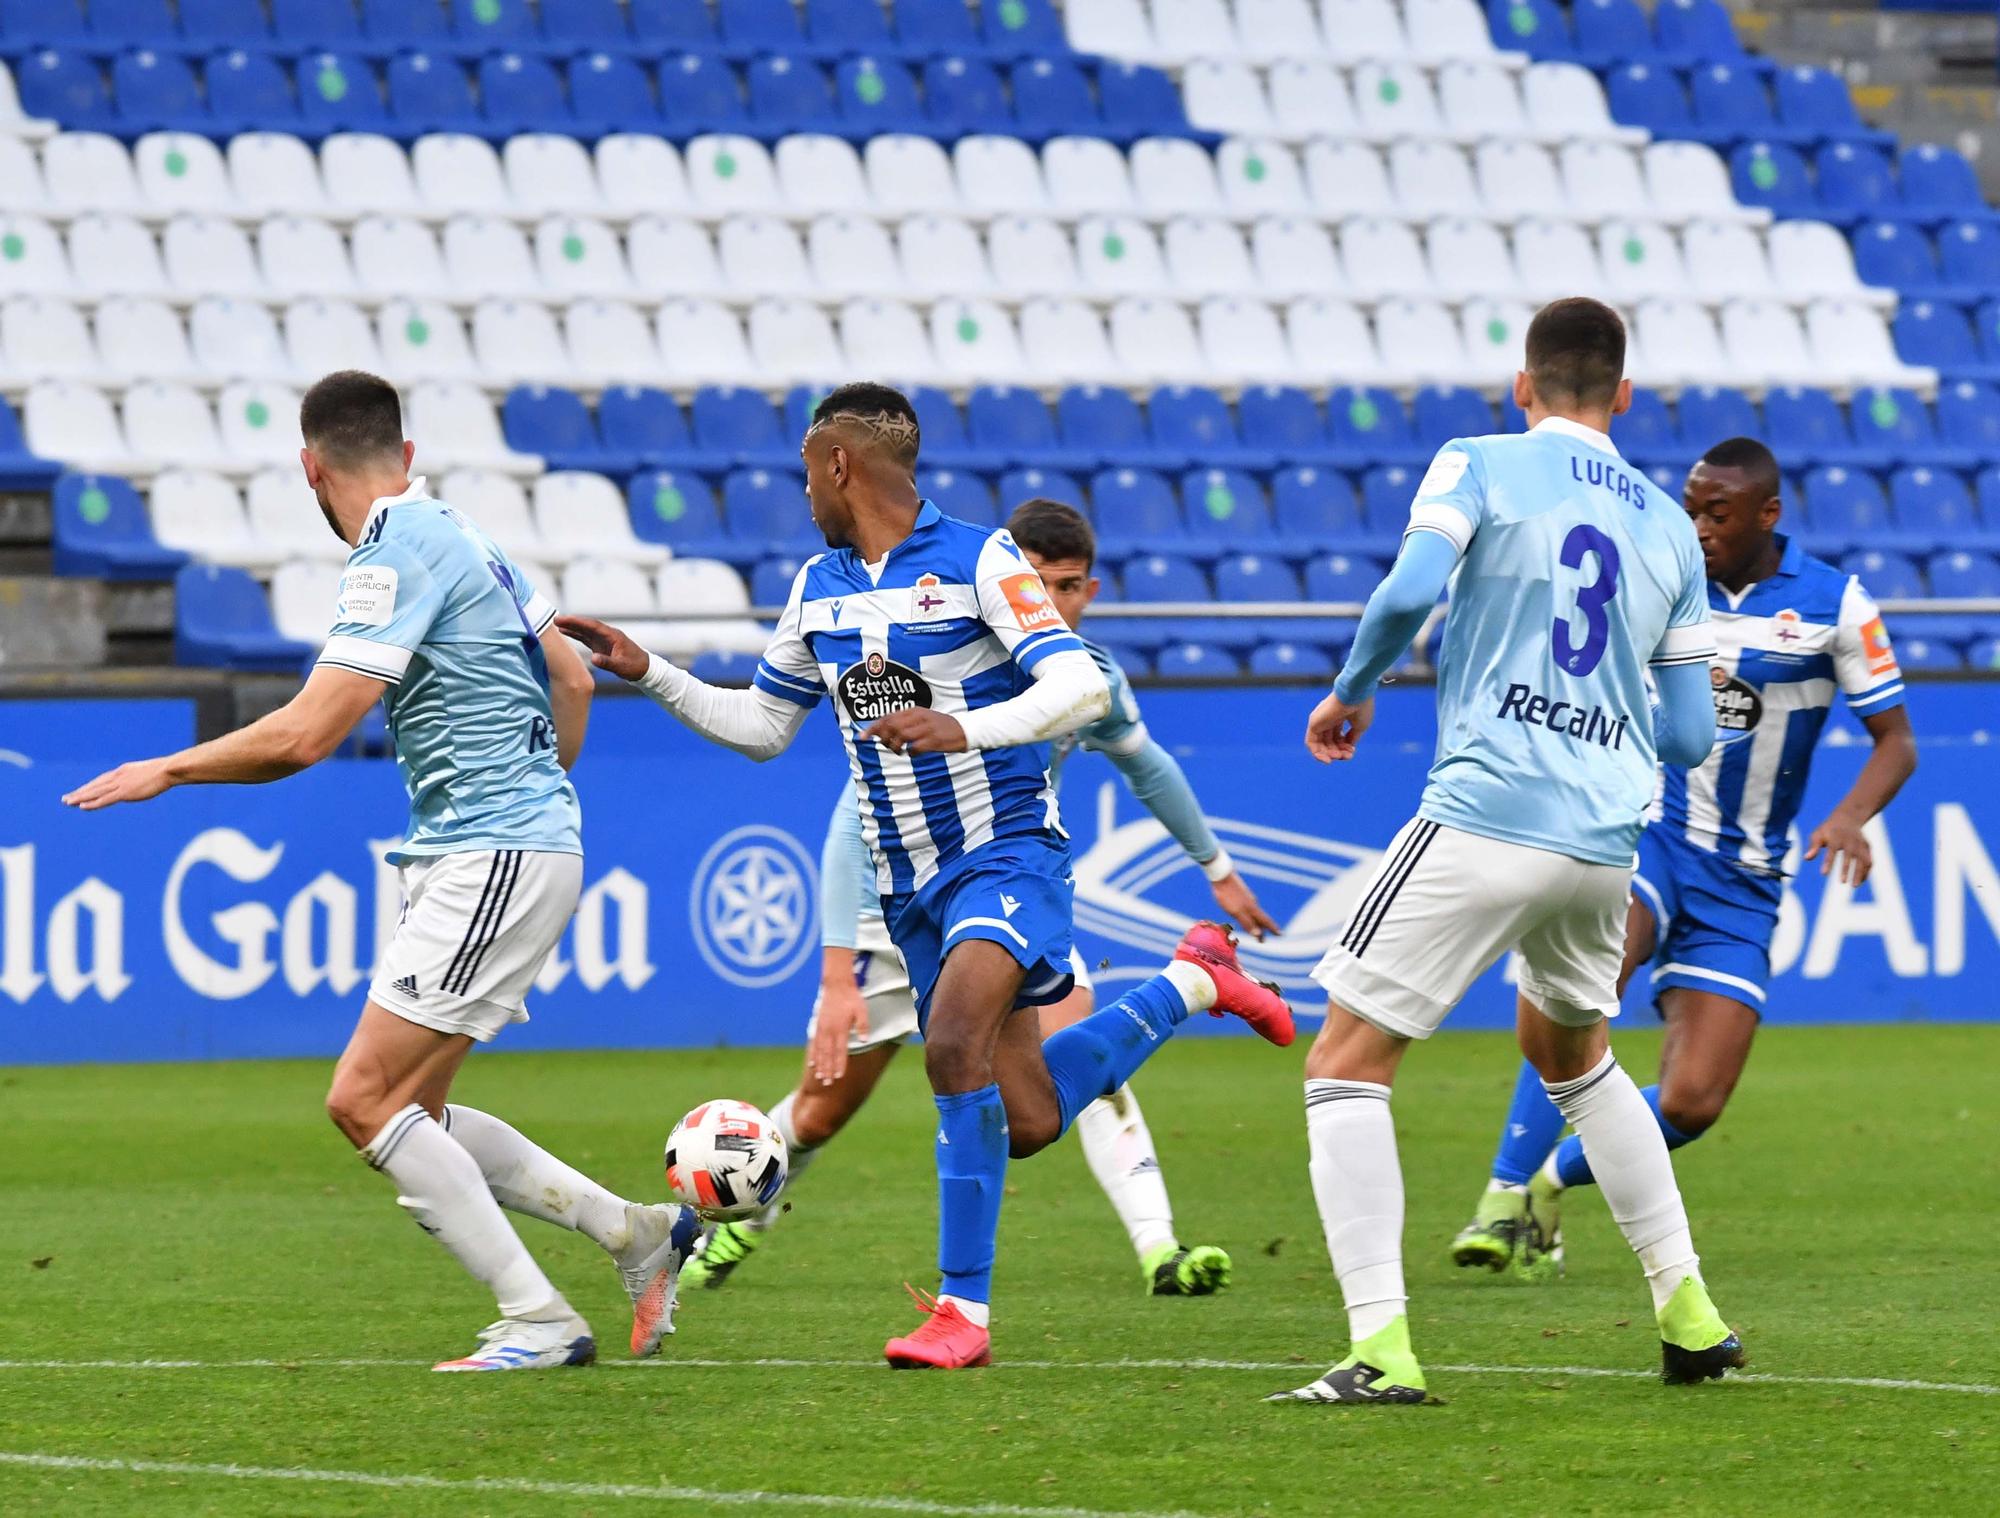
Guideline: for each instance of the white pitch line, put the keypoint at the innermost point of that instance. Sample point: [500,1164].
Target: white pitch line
[518,1486]
[1862,1383]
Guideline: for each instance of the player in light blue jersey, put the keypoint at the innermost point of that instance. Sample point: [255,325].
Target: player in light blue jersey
[1570,575]
[950,671]
[487,707]
[865,1011]
[1790,630]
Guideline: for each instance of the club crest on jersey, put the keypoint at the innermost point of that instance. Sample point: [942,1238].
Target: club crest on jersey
[1033,609]
[1738,707]
[1788,626]
[877,686]
[926,598]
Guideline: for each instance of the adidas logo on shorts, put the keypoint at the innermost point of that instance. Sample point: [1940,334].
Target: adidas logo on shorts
[407,985]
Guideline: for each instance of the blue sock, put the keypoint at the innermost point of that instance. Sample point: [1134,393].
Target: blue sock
[1532,1128]
[971,1165]
[1095,1057]
[1572,1169]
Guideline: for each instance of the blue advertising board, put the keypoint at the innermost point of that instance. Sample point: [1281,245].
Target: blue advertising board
[228,922]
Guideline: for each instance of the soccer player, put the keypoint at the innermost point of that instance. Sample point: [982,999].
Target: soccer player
[487,708]
[950,670]
[1571,573]
[864,1011]
[1789,629]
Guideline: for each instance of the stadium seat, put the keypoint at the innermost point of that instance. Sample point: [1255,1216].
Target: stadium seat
[222,618]
[101,531]
[1935,183]
[1645,94]
[583,515]
[1926,654]
[1968,417]
[701,95]
[1855,181]
[285,521]
[1845,505]
[1647,434]
[1969,257]
[1370,426]
[338,92]
[1018,485]
[1224,507]
[1774,176]
[1851,339]
[201,515]
[1136,513]
[1193,421]
[1341,577]
[1386,492]
[556,424]
[671,26]
[1894,255]
[1933,507]
[1439,414]
[1610,31]
[1816,100]
[1938,335]
[1805,426]
[1201,661]
[1961,574]
[957,494]
[460,429]
[1899,424]
[206,25]
[766,510]
[1888,576]
[66,86]
[677,510]
[1138,101]
[1293,661]
[1695,29]
[1709,414]
[248,90]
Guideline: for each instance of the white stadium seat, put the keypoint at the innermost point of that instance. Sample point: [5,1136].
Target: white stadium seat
[579,256]
[605,587]
[1031,255]
[368,175]
[1205,255]
[1766,342]
[672,255]
[498,503]
[974,342]
[487,256]
[884,336]
[14,122]
[1242,342]
[817,174]
[1432,179]
[1602,180]
[1725,260]
[303,594]
[701,343]
[640,174]
[209,255]
[1184,30]
[1330,339]
[1310,99]
[1640,260]
[1422,334]
[172,423]
[1686,180]
[1272,31]
[1447,29]
[793,342]
[61,419]
[457,427]
[707,586]
[1554,259]
[89,171]
[1113,28]
[45,337]
[728,175]
[1850,339]
[1260,177]
[1517,179]
[142,338]
[1348,179]
[1173,177]
[398,256]
[854,256]
[1086,175]
[1226,96]
[423,340]
[37,262]
[1394,102]
[21,185]
[178,171]
[458,174]
[1565,103]
[1357,31]
[611,342]
[1294,255]
[324,335]
[1383,257]
[114,255]
[236,339]
[1495,333]
[549,175]
[517,342]
[1064,342]
[303,255]
[579,513]
[1480,100]
[285,520]
[259,424]
[1117,255]
[1155,342]
[1811,260]
[762,255]
[998,176]
[1469,257]
[942,255]
[908,176]
[274,173]
[200,513]
[1681,346]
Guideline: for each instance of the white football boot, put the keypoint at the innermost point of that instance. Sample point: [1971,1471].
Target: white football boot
[662,1239]
[524,1344]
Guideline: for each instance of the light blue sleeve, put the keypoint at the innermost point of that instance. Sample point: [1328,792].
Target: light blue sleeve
[1688,638]
[846,875]
[388,602]
[1684,720]
[1159,784]
[1395,613]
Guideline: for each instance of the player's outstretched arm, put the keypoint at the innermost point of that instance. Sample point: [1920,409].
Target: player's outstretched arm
[570,690]
[1158,783]
[294,737]
[1840,838]
[1393,617]
[753,722]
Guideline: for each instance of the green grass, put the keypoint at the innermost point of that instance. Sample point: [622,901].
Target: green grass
[1845,1211]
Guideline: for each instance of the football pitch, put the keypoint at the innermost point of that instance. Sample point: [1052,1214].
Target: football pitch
[212,1307]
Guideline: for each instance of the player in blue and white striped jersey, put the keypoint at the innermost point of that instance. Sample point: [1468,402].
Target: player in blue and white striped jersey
[1791,631]
[950,670]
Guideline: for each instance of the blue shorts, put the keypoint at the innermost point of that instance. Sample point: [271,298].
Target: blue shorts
[1016,892]
[1712,919]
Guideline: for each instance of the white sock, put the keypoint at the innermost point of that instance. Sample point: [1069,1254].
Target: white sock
[1628,1156]
[526,1178]
[1119,1147]
[797,1158]
[978,1314]
[1196,985]
[439,1185]
[1358,1185]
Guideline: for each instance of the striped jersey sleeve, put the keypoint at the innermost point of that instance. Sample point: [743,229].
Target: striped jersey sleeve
[1864,661]
[1016,607]
[788,669]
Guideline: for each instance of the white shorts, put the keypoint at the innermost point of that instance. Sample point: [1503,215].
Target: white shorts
[885,987]
[1444,905]
[1081,972]
[475,930]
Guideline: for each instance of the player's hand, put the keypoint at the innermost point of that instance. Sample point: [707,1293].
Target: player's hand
[1839,839]
[609,648]
[1240,902]
[141,780]
[918,730]
[1335,728]
[843,1012]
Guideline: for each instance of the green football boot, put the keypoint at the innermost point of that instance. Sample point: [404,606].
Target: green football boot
[1172,1271]
[726,1247]
[1496,1231]
[1695,1344]
[1539,1254]
[1382,1368]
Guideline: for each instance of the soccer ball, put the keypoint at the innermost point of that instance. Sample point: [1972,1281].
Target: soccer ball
[726,1160]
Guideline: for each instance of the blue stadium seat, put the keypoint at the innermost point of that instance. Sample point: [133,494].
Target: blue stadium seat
[1817,101]
[1292,661]
[1370,426]
[1772,175]
[678,509]
[522,93]
[1933,507]
[396,25]
[789,94]
[102,531]
[1898,424]
[556,424]
[1710,413]
[1341,577]
[582,26]
[771,580]
[671,26]
[1845,505]
[1888,576]
[1855,181]
[430,92]
[754,27]
[221,618]
[1182,660]
[729,668]
[485,25]
[1983,654]
[1937,335]
[965,95]
[157,91]
[1014,424]
[1131,658]
[1139,101]
[1023,29]
[1052,98]
[133,23]
[20,469]
[1385,501]
[1969,417]
[1647,432]
[700,94]
[1609,33]
[1930,654]
[1195,421]
[647,424]
[1807,426]
[613,91]
[959,494]
[316,24]
[1135,512]
[878,95]
[1255,577]
[1937,182]
[1731,104]
[1224,506]
[1314,507]
[1650,96]
[222,25]
[766,508]
[836,28]
[1164,577]
[946,443]
[1442,412]
[248,92]
[1969,257]
[1285,422]
[1961,574]
[1530,26]
[936,26]
[338,93]
[1696,30]
[1018,485]
[1105,423]
[741,424]
[59,24]
[1894,255]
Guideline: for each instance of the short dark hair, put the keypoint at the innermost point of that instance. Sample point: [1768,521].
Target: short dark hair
[882,411]
[1752,457]
[1053,531]
[1576,351]
[350,416]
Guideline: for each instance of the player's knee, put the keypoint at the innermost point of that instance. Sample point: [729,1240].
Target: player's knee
[1694,1107]
[1028,1135]
[351,1108]
[817,1116]
[954,1061]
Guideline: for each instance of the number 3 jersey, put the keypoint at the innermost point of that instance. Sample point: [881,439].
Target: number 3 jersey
[430,605]
[1785,645]
[953,619]
[1577,572]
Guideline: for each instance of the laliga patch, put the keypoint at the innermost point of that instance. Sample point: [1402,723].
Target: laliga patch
[1875,648]
[1446,470]
[367,596]
[1033,609]
[877,686]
